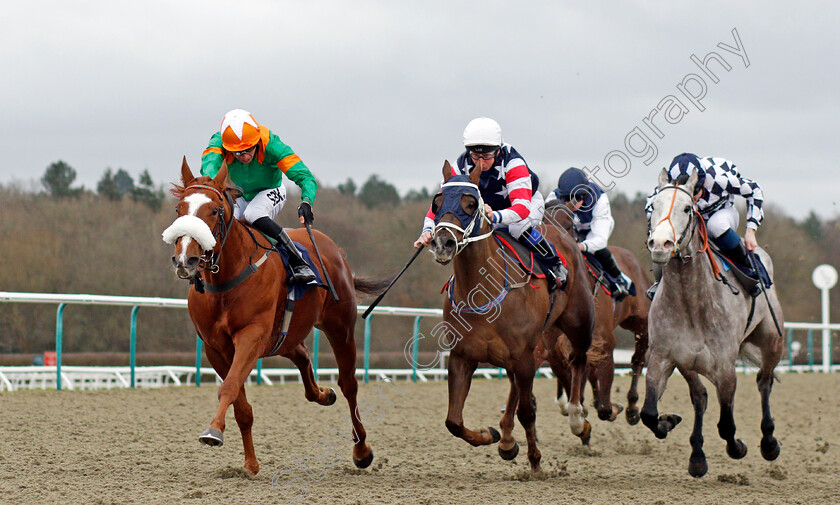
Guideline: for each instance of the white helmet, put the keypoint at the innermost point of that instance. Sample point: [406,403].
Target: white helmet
[483,131]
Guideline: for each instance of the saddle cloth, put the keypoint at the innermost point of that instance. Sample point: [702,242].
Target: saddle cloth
[520,253]
[299,290]
[745,280]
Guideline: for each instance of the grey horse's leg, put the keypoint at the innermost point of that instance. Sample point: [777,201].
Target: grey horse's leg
[771,353]
[659,370]
[697,465]
[636,364]
[735,448]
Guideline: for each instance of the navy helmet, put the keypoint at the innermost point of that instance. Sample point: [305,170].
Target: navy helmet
[572,184]
[682,166]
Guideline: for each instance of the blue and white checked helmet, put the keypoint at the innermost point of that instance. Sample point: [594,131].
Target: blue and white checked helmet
[682,166]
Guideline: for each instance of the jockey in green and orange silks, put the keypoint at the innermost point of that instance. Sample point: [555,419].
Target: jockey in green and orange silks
[257,160]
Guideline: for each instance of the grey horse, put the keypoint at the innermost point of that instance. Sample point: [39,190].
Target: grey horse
[700,325]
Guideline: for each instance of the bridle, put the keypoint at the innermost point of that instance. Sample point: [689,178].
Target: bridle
[466,232]
[220,231]
[689,226]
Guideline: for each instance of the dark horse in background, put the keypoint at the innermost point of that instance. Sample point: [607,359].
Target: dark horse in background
[631,313]
[496,314]
[700,323]
[240,321]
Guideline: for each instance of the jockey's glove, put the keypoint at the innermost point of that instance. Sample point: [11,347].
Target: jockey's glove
[305,211]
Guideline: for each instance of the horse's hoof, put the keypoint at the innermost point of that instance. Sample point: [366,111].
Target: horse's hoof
[252,469]
[611,413]
[586,434]
[494,434]
[364,462]
[632,415]
[770,448]
[697,468]
[331,399]
[212,437]
[509,454]
[737,449]
[667,422]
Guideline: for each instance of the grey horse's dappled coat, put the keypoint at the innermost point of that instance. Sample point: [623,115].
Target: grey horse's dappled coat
[699,326]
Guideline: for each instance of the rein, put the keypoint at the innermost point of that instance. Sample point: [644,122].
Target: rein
[479,216]
[702,233]
[221,232]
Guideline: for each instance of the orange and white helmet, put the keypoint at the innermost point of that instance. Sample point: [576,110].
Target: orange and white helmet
[240,131]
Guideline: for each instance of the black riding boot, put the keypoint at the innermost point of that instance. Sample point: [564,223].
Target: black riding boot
[301,273]
[606,259]
[546,253]
[738,255]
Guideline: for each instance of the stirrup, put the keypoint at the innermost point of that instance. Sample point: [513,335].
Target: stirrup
[560,274]
[622,287]
[302,274]
[651,291]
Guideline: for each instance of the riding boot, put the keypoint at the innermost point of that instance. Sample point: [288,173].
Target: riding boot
[738,255]
[544,251]
[622,285]
[657,274]
[301,273]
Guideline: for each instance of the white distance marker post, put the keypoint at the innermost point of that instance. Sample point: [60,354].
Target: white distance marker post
[824,278]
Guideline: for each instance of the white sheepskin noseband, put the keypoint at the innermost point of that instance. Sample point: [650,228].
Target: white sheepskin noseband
[190,226]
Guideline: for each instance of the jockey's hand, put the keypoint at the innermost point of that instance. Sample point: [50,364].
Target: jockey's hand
[424,240]
[749,240]
[581,246]
[305,213]
[489,211]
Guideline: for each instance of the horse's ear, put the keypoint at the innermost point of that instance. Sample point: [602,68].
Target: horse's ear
[692,182]
[447,170]
[186,174]
[663,178]
[475,175]
[221,178]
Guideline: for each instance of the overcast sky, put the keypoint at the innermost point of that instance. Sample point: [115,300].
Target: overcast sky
[362,87]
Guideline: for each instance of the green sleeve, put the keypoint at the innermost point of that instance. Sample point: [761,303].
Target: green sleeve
[281,155]
[301,176]
[211,161]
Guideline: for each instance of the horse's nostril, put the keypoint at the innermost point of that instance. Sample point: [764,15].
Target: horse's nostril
[650,244]
[449,243]
[174,262]
[669,245]
[192,261]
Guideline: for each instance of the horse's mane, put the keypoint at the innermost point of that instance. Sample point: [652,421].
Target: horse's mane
[178,191]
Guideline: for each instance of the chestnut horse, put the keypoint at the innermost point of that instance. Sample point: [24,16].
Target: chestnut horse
[491,318]
[239,317]
[700,325]
[631,313]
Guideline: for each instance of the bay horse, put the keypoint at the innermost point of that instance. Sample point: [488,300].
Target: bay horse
[631,313]
[490,318]
[700,325]
[240,315]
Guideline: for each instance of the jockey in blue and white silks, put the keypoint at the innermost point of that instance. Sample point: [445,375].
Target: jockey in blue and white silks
[509,190]
[718,182]
[593,220]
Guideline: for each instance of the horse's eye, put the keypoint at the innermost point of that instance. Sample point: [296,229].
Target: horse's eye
[435,205]
[687,209]
[215,212]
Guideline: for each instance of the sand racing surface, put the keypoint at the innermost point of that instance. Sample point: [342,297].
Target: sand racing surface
[141,446]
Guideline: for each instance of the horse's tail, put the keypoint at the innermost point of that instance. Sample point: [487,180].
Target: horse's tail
[370,286]
[751,355]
